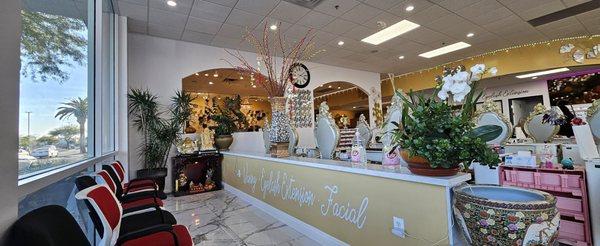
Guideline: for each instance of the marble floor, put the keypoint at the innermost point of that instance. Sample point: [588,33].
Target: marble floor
[221,218]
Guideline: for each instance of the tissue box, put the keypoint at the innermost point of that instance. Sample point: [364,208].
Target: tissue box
[520,160]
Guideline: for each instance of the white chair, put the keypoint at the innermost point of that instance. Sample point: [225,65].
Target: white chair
[362,127]
[540,132]
[327,133]
[491,114]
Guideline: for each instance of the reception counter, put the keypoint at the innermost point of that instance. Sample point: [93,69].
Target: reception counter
[340,203]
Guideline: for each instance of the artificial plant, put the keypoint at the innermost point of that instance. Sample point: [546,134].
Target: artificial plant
[228,118]
[432,129]
[159,129]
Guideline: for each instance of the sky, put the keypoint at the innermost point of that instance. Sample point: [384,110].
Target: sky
[44,98]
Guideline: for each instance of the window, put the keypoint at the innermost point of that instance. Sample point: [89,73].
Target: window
[67,101]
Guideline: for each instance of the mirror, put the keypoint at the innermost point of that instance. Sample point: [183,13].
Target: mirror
[293,140]
[346,102]
[593,118]
[540,132]
[327,133]
[490,113]
[213,86]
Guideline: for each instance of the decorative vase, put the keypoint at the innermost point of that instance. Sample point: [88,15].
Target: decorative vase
[493,215]
[420,166]
[278,132]
[223,141]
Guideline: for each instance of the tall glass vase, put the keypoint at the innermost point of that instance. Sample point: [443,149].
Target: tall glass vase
[280,122]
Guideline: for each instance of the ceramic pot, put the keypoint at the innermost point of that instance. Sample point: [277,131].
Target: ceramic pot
[420,166]
[493,215]
[223,141]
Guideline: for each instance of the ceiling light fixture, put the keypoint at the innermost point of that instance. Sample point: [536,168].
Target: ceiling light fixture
[210,82]
[470,35]
[273,27]
[171,3]
[216,75]
[391,32]
[205,75]
[400,57]
[444,50]
[339,87]
[551,71]
[329,86]
[340,43]
[409,8]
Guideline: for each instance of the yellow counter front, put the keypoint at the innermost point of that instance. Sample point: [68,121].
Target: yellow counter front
[338,203]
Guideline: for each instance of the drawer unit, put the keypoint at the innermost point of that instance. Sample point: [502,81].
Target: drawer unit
[570,189]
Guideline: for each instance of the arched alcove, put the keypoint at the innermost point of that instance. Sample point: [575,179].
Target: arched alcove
[345,99]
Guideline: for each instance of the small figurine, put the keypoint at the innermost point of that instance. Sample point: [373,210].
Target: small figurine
[207,139]
[345,121]
[209,184]
[182,181]
[187,146]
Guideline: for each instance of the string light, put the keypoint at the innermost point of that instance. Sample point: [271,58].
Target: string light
[506,50]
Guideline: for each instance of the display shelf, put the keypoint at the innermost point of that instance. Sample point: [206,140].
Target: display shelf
[346,137]
[569,188]
[202,172]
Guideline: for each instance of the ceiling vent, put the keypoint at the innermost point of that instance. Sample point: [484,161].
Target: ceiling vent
[565,13]
[305,3]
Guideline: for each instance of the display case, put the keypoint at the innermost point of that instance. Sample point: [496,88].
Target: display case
[196,173]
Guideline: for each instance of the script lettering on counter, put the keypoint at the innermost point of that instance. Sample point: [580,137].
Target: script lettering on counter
[347,213]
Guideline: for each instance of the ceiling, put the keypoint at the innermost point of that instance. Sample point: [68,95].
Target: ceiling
[495,23]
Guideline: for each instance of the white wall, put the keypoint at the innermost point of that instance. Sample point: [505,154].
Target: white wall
[10,28]
[159,64]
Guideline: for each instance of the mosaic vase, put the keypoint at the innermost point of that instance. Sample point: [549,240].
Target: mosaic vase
[493,215]
[280,121]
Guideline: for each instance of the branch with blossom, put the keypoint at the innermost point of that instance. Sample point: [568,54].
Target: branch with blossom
[268,48]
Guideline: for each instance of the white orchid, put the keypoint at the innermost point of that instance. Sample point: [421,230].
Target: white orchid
[478,69]
[458,84]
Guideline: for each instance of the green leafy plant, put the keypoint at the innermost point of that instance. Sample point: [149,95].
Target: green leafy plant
[159,129]
[229,118]
[433,130]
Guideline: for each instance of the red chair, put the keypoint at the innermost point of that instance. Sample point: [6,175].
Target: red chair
[135,187]
[110,213]
[131,200]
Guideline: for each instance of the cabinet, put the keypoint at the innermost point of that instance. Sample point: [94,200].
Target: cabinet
[196,173]
[569,188]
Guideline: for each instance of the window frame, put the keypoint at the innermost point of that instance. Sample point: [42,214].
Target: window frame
[29,183]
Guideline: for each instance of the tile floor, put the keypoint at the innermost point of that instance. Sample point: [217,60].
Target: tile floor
[220,218]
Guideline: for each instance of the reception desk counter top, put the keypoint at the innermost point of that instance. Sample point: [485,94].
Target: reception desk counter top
[398,172]
[341,203]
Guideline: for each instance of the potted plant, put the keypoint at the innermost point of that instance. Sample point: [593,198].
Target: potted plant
[435,138]
[159,129]
[227,119]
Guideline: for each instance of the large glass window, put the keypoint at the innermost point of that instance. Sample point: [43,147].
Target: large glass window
[108,77]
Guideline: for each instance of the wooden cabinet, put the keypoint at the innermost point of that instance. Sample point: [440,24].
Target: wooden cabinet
[196,173]
[569,188]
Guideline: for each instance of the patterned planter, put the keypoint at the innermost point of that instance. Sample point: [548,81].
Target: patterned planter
[493,215]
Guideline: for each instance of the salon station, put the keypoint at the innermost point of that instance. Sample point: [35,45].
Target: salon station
[360,122]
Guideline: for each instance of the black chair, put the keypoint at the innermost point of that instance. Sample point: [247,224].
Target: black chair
[48,226]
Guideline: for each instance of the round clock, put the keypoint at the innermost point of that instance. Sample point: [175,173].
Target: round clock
[299,75]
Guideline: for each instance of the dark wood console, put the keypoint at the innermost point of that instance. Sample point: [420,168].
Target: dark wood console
[196,173]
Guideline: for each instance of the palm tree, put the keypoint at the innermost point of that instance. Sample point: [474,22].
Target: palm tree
[77,107]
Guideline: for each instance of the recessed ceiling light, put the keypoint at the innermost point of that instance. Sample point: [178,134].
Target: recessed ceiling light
[171,3]
[534,77]
[241,77]
[354,107]
[470,35]
[400,57]
[205,75]
[329,86]
[340,43]
[197,74]
[273,27]
[339,87]
[444,50]
[216,75]
[210,82]
[391,32]
[410,8]
[556,70]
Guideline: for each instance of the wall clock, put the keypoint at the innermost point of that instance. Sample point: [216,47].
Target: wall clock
[299,75]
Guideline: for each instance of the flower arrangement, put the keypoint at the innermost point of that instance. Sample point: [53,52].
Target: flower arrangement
[438,135]
[268,47]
